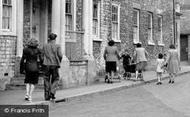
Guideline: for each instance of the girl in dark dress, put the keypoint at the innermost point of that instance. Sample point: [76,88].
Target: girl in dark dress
[29,66]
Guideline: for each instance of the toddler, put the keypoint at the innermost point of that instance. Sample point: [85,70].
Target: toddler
[160,68]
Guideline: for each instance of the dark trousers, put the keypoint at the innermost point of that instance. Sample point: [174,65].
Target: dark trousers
[51,79]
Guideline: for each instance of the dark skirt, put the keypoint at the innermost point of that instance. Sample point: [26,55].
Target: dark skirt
[31,77]
[127,68]
[111,66]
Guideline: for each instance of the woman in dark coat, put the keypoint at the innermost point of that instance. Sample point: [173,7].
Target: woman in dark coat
[29,66]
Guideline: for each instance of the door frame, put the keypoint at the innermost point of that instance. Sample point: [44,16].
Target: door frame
[43,20]
[187,39]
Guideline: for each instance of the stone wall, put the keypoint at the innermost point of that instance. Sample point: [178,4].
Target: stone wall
[74,38]
[126,26]
[7,55]
[79,74]
[27,25]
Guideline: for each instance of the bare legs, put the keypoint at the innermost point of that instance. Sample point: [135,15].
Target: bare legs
[110,77]
[172,77]
[29,91]
[139,74]
[159,76]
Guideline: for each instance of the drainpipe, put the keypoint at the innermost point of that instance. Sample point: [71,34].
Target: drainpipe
[174,27]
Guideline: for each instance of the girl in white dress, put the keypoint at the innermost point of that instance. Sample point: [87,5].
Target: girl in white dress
[160,68]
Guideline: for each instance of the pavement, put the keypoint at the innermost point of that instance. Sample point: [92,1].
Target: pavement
[16,97]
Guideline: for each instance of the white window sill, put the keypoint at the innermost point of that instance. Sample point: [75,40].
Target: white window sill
[96,38]
[135,42]
[7,32]
[151,43]
[161,44]
[117,41]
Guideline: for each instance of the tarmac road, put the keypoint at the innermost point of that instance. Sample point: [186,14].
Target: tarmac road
[151,100]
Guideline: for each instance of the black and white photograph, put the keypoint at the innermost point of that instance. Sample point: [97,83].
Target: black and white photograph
[94,58]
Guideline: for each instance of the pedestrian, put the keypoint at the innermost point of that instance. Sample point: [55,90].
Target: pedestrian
[140,56]
[52,59]
[29,66]
[165,65]
[111,56]
[173,62]
[159,68]
[126,63]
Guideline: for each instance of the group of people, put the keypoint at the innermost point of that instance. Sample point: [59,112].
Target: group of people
[138,61]
[169,62]
[47,59]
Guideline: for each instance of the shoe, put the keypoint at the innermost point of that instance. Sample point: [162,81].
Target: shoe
[47,99]
[172,82]
[30,98]
[158,83]
[169,81]
[26,97]
[106,79]
[52,96]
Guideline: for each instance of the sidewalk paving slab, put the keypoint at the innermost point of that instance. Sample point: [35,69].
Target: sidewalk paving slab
[16,97]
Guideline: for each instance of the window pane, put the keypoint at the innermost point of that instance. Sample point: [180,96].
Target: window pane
[149,20]
[68,22]
[150,35]
[68,6]
[95,11]
[68,15]
[114,13]
[95,27]
[4,1]
[115,31]
[135,16]
[6,16]
[159,23]
[7,2]
[135,34]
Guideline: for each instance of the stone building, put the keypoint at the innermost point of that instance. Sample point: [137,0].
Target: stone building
[185,32]
[84,27]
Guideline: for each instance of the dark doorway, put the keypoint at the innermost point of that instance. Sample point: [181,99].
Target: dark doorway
[184,47]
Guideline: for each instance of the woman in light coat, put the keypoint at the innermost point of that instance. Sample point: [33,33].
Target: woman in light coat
[173,62]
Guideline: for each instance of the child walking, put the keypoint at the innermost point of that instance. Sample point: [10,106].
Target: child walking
[159,69]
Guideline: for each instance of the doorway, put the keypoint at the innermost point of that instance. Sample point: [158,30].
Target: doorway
[184,47]
[39,20]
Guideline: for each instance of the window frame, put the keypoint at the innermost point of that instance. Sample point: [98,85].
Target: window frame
[73,14]
[96,37]
[160,30]
[118,22]
[13,23]
[8,16]
[135,41]
[150,28]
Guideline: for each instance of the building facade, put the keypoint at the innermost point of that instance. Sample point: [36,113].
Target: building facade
[185,32]
[84,27]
